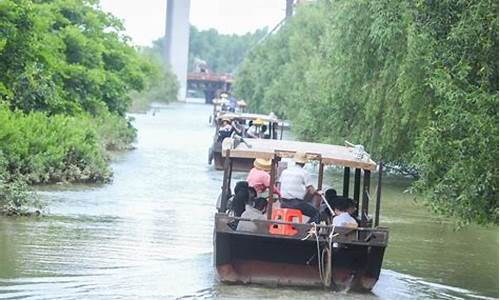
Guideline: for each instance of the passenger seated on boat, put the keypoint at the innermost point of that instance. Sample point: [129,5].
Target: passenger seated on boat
[253,211]
[263,134]
[239,127]
[255,129]
[342,217]
[325,213]
[259,177]
[295,185]
[241,197]
[250,124]
[225,130]
[353,211]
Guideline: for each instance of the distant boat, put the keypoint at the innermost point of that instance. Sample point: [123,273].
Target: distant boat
[221,106]
[273,131]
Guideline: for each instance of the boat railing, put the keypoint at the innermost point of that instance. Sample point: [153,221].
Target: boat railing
[307,232]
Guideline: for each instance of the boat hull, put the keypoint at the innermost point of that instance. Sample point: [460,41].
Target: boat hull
[239,164]
[284,261]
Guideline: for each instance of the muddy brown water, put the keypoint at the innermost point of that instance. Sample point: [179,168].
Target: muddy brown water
[148,234]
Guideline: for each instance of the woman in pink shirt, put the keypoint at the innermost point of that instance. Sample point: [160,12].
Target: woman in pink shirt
[259,177]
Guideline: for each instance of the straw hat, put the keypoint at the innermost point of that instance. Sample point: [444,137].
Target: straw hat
[262,164]
[258,121]
[300,157]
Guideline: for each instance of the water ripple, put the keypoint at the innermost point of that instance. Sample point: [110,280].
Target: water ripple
[148,235]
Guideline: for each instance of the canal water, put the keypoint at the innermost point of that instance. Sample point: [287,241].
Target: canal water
[148,234]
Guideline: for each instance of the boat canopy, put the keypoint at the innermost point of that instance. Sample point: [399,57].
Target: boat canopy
[328,154]
[244,116]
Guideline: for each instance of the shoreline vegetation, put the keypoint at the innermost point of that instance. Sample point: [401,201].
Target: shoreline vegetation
[415,82]
[68,76]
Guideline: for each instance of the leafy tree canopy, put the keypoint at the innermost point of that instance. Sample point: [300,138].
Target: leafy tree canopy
[67,72]
[416,82]
[66,56]
[222,52]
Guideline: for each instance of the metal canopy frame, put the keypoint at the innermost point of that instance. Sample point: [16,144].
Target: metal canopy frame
[248,117]
[330,154]
[278,154]
[272,124]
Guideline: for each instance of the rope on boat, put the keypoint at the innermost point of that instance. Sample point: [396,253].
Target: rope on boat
[327,266]
[321,254]
[314,232]
[328,205]
[329,252]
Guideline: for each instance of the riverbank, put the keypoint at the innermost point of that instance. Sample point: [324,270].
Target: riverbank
[155,221]
[67,74]
[41,149]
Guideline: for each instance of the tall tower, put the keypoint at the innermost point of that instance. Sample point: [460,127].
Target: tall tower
[177,41]
[289,8]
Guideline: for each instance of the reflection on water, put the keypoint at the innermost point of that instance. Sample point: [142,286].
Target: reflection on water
[149,233]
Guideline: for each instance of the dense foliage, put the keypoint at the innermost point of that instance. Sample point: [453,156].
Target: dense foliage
[14,195]
[416,82]
[46,149]
[66,76]
[223,53]
[65,56]
[161,84]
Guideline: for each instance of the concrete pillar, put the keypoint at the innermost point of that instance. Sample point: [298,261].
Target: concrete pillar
[177,41]
[289,8]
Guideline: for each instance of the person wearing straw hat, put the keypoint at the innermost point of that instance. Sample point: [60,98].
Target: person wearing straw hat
[255,130]
[259,177]
[295,185]
[225,129]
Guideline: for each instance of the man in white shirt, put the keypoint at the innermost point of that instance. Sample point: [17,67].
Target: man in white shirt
[342,217]
[255,130]
[295,184]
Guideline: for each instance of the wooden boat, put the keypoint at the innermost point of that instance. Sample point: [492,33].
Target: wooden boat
[272,123]
[220,106]
[309,255]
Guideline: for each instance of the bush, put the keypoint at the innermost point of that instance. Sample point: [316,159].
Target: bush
[161,83]
[114,132]
[42,149]
[66,74]
[15,199]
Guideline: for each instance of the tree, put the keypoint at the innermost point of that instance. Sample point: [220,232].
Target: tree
[66,75]
[416,82]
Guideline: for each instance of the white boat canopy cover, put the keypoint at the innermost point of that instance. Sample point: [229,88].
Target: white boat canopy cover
[353,157]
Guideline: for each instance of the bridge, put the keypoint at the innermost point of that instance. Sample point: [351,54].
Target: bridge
[209,83]
[177,49]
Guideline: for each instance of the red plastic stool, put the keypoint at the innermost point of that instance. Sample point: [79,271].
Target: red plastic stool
[285,215]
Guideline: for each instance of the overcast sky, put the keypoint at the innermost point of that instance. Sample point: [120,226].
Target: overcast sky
[145,19]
